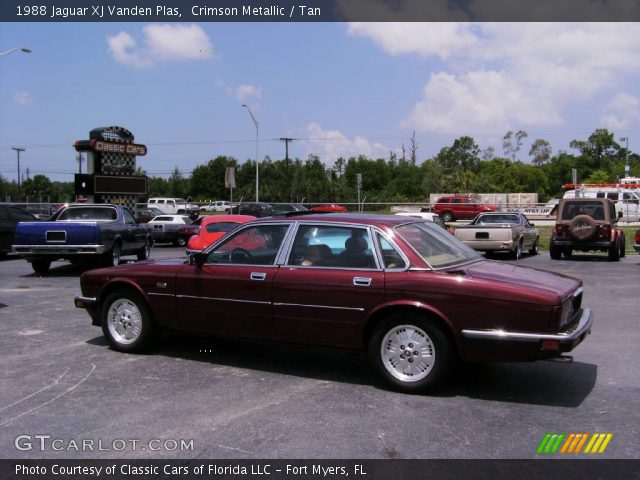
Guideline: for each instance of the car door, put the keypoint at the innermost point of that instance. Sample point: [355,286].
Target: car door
[231,292]
[329,284]
[134,234]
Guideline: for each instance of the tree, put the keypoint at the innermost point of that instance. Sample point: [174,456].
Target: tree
[488,153]
[463,154]
[413,147]
[511,143]
[178,186]
[540,151]
[599,149]
[38,188]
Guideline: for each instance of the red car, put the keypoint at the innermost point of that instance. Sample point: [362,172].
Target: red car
[213,228]
[460,208]
[405,290]
[331,208]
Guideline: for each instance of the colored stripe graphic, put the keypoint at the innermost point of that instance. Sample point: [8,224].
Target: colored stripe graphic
[573,443]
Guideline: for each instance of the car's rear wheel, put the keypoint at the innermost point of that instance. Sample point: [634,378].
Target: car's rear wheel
[41,266]
[614,251]
[517,252]
[126,321]
[112,257]
[555,252]
[623,246]
[411,353]
[144,252]
[448,217]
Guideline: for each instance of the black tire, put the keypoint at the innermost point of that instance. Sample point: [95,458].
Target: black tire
[567,252]
[534,248]
[448,217]
[397,364]
[614,251]
[126,314]
[181,242]
[623,246]
[112,257]
[41,267]
[144,252]
[517,253]
[554,251]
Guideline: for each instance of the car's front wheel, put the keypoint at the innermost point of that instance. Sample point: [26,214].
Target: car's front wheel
[614,251]
[411,353]
[126,321]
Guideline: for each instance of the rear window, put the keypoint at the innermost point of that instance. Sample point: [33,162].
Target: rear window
[594,209]
[94,214]
[163,219]
[221,227]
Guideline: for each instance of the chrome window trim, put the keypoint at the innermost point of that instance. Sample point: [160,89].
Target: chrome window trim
[237,231]
[368,228]
[407,263]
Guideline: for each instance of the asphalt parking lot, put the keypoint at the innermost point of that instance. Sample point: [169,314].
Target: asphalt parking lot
[60,381]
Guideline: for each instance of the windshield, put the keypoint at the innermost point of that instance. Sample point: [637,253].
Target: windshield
[94,214]
[489,219]
[436,246]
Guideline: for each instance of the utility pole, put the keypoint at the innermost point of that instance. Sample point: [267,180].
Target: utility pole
[286,141]
[80,159]
[28,174]
[627,167]
[18,150]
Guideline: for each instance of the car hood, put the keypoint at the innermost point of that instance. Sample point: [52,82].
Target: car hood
[527,277]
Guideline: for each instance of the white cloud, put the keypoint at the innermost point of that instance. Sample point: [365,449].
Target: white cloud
[161,43]
[621,113]
[23,98]
[245,92]
[329,145]
[510,75]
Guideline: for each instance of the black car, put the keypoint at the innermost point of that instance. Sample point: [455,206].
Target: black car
[10,215]
[257,209]
[145,215]
[280,208]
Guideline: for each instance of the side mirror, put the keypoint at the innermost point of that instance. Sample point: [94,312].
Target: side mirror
[197,259]
[532,224]
[620,215]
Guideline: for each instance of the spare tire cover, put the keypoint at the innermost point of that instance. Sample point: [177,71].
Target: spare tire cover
[582,227]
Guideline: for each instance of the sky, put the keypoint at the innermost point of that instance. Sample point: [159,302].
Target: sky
[339,89]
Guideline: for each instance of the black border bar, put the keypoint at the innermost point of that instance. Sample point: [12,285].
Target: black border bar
[194,469]
[320,11]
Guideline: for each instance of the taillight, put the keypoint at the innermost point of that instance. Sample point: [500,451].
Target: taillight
[638,236]
[605,232]
[560,230]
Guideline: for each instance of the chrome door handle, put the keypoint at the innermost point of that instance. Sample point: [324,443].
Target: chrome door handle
[258,275]
[362,281]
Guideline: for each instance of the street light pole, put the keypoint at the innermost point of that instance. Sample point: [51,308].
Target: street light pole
[18,150]
[25,50]
[627,167]
[255,122]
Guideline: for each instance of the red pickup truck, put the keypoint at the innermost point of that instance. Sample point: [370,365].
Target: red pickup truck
[460,208]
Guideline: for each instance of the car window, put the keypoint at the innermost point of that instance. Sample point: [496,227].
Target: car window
[152,200]
[89,214]
[332,246]
[128,218]
[572,210]
[390,255]
[436,246]
[218,227]
[255,245]
[163,219]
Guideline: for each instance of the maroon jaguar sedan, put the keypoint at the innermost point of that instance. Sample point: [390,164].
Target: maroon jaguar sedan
[405,290]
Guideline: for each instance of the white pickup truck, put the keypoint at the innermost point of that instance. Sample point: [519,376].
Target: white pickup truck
[500,232]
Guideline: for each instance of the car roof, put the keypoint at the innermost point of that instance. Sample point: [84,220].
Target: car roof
[365,219]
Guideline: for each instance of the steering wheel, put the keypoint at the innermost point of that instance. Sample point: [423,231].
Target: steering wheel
[240,255]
